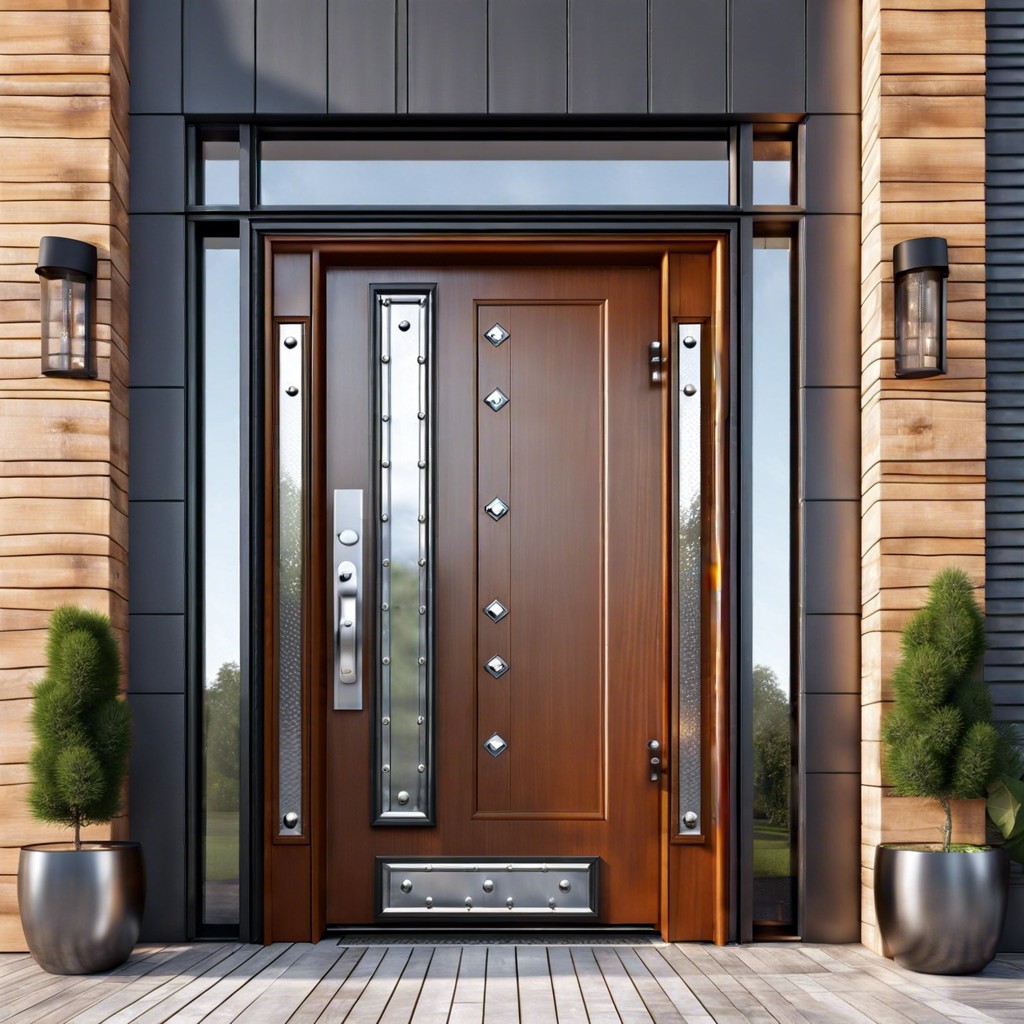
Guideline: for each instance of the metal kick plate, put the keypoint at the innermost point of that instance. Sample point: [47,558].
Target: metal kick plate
[495,888]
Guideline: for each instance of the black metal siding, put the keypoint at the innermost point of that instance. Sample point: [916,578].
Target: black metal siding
[1004,363]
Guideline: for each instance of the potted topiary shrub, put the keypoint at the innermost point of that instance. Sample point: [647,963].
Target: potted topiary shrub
[81,902]
[941,907]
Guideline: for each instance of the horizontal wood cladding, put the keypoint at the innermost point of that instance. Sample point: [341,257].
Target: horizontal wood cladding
[63,444]
[923,442]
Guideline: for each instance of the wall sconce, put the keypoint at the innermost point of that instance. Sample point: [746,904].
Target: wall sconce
[67,276]
[920,267]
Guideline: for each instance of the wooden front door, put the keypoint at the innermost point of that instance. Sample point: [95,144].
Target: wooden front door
[547,620]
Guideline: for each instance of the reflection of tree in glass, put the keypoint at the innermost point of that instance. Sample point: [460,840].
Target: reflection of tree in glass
[405,671]
[221,729]
[772,748]
[289,619]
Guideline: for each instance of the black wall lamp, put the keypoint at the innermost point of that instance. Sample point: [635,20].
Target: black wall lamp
[67,276]
[920,267]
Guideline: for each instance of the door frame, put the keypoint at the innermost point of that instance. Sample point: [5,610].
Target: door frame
[691,866]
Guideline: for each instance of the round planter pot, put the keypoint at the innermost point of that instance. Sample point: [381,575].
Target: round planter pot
[941,913]
[81,910]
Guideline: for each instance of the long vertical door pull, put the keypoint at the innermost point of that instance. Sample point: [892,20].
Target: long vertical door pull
[348,600]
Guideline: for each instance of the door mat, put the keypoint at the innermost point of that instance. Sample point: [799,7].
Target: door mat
[495,938]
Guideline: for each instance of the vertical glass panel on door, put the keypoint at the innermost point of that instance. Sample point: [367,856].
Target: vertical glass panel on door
[404,328]
[221,582]
[773,721]
[432,172]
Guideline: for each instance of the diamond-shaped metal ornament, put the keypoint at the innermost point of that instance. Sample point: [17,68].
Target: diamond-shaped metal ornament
[495,745]
[497,399]
[497,666]
[496,335]
[496,508]
[495,611]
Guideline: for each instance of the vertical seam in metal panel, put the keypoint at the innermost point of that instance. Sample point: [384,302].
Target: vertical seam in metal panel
[487,56]
[728,56]
[568,56]
[650,102]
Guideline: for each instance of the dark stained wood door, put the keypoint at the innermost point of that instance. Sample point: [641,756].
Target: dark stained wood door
[576,452]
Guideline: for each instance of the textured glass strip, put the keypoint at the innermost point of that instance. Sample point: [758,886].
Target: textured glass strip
[290,540]
[405,672]
[689,447]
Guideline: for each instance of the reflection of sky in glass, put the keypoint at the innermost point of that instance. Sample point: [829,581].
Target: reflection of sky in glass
[494,182]
[770,458]
[771,183]
[220,173]
[221,454]
[405,437]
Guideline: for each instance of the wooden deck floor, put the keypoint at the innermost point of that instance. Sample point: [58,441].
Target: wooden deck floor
[510,984]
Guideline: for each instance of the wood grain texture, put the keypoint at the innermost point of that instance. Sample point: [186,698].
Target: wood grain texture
[63,444]
[923,442]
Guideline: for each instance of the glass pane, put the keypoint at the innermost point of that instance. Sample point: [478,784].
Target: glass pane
[771,515]
[221,580]
[773,172]
[687,358]
[291,485]
[219,178]
[403,401]
[494,173]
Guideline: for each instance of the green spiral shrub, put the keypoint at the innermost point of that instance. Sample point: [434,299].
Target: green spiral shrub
[940,741]
[82,728]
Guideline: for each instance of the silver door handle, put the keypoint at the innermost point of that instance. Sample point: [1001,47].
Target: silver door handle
[348,622]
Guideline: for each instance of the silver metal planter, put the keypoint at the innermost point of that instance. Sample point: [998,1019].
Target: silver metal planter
[82,910]
[941,913]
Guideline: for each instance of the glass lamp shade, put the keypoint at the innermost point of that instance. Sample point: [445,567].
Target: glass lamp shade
[921,268]
[67,272]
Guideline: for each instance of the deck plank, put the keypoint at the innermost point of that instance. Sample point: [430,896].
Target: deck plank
[407,992]
[256,984]
[438,992]
[316,1001]
[501,991]
[565,985]
[657,1003]
[286,995]
[682,997]
[596,997]
[378,990]
[349,992]
[628,1004]
[536,996]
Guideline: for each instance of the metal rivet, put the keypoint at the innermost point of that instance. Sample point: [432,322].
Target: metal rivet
[423,661]
[386,720]
[290,342]
[488,885]
[385,302]
[385,768]
[421,360]
[690,819]
[421,464]
[385,661]
[386,562]
[403,797]
[496,508]
[348,537]
[386,418]
[510,903]
[565,885]
[689,391]
[385,464]
[421,768]
[690,341]
[497,666]
[423,609]
[406,885]
[385,606]
[421,415]
[429,903]
[385,359]
[404,325]
[422,518]
[420,719]
[384,517]
[496,335]
[290,820]
[469,902]
[551,902]
[422,562]
[291,391]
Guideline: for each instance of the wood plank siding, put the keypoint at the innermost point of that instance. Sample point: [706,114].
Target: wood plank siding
[1004,328]
[63,444]
[923,448]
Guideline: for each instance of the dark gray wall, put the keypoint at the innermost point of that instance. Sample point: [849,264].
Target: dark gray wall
[314,59]
[1004,352]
